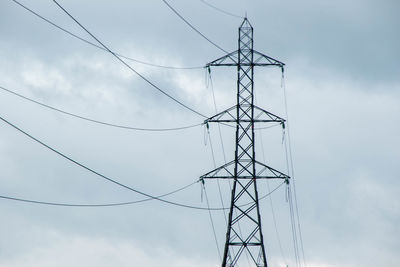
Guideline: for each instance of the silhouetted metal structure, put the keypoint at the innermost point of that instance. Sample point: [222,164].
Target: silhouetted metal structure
[244,224]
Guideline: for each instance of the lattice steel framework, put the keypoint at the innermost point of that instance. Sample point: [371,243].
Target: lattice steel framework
[244,231]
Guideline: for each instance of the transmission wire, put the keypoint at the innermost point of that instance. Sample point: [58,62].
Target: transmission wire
[212,223]
[219,186]
[102,175]
[194,28]
[215,166]
[221,10]
[211,146]
[102,48]
[291,215]
[97,121]
[270,197]
[127,65]
[293,225]
[110,179]
[292,168]
[93,205]
[216,111]
[272,207]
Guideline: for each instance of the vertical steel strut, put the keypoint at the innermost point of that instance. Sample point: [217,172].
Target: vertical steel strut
[244,169]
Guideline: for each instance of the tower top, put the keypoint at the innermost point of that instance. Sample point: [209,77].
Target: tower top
[245,24]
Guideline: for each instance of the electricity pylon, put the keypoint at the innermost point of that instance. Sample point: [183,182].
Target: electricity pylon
[244,231]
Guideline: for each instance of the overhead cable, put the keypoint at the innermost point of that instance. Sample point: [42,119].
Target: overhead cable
[111,179]
[270,197]
[294,229]
[221,10]
[212,223]
[215,166]
[93,205]
[127,65]
[216,112]
[292,169]
[99,174]
[127,127]
[100,47]
[193,28]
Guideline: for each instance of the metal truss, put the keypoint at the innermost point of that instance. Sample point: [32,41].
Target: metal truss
[245,170]
[260,115]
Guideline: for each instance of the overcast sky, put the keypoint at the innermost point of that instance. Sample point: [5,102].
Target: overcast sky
[343,95]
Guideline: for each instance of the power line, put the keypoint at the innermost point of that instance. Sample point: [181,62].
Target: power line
[196,30]
[93,205]
[102,48]
[212,223]
[215,166]
[294,229]
[193,28]
[216,112]
[98,121]
[292,218]
[108,178]
[99,174]
[221,10]
[292,168]
[270,197]
[127,65]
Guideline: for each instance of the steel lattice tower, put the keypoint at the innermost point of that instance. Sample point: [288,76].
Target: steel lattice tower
[244,231]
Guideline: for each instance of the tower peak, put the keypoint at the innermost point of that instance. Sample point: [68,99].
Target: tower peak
[246,23]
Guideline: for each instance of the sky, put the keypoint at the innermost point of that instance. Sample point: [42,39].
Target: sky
[341,86]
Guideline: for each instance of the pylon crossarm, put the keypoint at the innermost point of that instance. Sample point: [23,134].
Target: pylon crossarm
[266,116]
[264,60]
[273,172]
[228,112]
[259,59]
[229,115]
[227,173]
[227,60]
